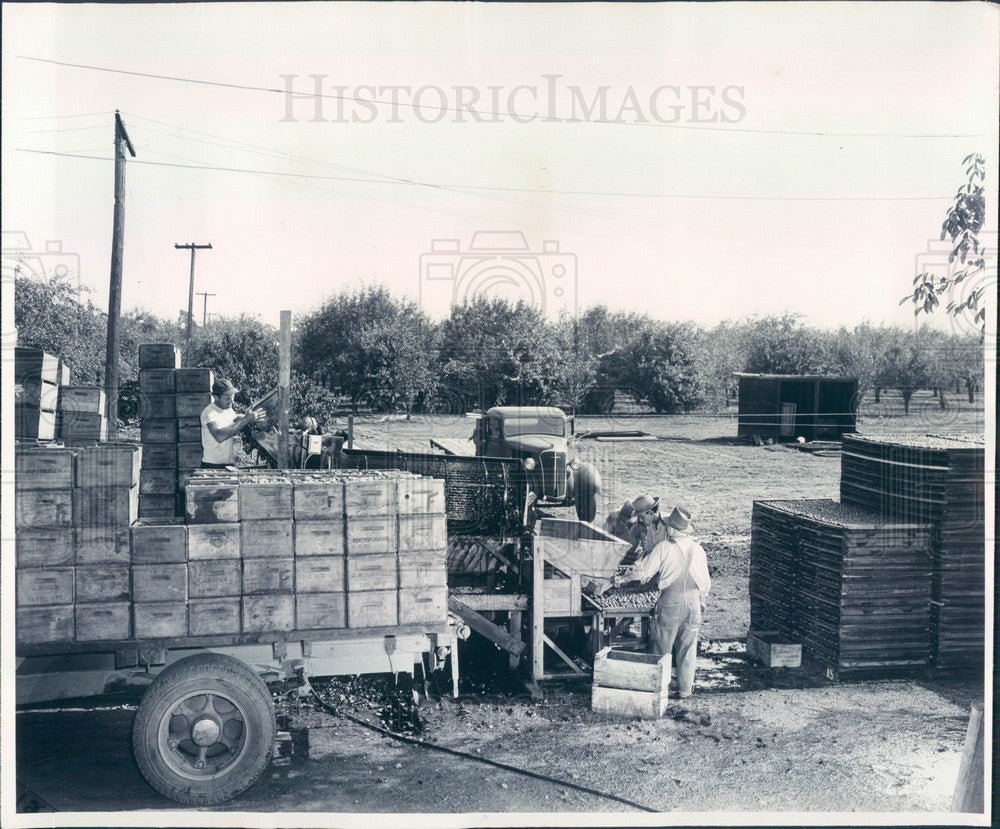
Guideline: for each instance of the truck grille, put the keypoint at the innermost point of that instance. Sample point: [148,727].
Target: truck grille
[553,474]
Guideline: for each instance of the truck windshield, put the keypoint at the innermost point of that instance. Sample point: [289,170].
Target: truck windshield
[532,425]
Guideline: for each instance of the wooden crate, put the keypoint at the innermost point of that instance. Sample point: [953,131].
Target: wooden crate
[43,508]
[319,538]
[375,572]
[316,611]
[194,380]
[157,482]
[105,506]
[158,431]
[189,455]
[103,545]
[211,503]
[155,620]
[81,428]
[37,394]
[35,364]
[372,535]
[81,399]
[44,468]
[630,684]
[103,583]
[420,496]
[189,431]
[160,456]
[371,609]
[32,422]
[109,464]
[40,625]
[159,355]
[213,578]
[265,500]
[266,539]
[423,605]
[212,617]
[562,596]
[157,507]
[319,574]
[318,500]
[44,546]
[424,568]
[190,405]
[44,585]
[104,621]
[156,381]
[773,650]
[369,496]
[159,543]
[422,532]
[268,575]
[159,582]
[213,541]
[263,614]
[156,407]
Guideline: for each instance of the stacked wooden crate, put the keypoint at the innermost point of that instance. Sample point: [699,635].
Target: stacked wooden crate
[37,377]
[81,418]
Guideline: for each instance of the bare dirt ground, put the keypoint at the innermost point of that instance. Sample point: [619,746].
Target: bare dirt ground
[749,740]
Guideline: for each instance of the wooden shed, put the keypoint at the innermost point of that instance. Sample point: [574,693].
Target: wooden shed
[788,406]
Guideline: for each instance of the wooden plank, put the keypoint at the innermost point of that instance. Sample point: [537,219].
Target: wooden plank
[158,431]
[105,506]
[193,380]
[423,568]
[156,406]
[160,456]
[493,601]
[419,495]
[189,455]
[365,496]
[485,627]
[455,446]
[189,406]
[188,430]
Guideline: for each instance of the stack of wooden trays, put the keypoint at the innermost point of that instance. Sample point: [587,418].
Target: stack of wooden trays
[774,601]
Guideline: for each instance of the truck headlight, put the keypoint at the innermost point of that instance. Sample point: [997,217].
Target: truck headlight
[574,464]
[529,463]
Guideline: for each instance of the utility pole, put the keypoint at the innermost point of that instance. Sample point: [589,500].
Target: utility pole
[191,246]
[284,383]
[204,308]
[115,293]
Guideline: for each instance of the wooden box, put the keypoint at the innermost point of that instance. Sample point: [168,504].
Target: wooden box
[630,684]
[158,431]
[105,506]
[44,468]
[44,585]
[426,568]
[373,535]
[159,543]
[189,455]
[213,541]
[35,394]
[422,532]
[266,539]
[213,578]
[265,500]
[318,500]
[44,546]
[319,538]
[212,617]
[159,355]
[423,605]
[43,508]
[156,407]
[211,503]
[369,496]
[189,406]
[194,380]
[319,574]
[157,507]
[268,575]
[81,428]
[158,482]
[32,422]
[103,545]
[420,496]
[372,609]
[103,583]
[375,572]
[39,625]
[316,611]
[161,456]
[106,621]
[109,464]
[189,431]
[773,650]
[35,364]
[81,399]
[562,596]
[159,582]
[262,614]
[156,381]
[155,620]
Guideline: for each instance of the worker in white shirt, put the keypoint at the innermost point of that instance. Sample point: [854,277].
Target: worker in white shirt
[220,425]
[684,583]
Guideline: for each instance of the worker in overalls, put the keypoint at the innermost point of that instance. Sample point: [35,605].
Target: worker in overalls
[684,583]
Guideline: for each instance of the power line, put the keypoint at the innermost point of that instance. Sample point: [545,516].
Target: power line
[64,129]
[57,117]
[497,114]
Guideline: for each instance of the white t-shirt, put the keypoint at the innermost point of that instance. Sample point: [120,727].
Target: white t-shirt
[213,451]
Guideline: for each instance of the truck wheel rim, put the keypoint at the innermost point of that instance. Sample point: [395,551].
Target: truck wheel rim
[202,736]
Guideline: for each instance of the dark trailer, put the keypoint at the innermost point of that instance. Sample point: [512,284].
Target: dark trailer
[789,406]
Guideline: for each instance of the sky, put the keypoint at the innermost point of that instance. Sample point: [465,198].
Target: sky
[748,158]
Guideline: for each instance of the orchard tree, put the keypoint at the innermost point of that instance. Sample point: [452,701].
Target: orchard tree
[243,350]
[719,354]
[660,370]
[781,345]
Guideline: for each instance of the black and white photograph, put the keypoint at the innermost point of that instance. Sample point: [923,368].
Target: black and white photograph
[466,414]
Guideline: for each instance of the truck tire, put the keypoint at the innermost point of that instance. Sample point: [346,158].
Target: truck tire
[205,730]
[586,506]
[586,486]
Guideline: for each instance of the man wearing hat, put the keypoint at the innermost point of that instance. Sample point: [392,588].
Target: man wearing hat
[220,424]
[619,523]
[651,527]
[684,582]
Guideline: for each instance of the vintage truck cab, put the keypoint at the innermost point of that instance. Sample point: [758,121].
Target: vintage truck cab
[539,437]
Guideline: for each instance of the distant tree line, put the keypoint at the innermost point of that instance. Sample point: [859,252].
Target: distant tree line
[367,349]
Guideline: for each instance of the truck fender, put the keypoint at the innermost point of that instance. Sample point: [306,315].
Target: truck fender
[588,479]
